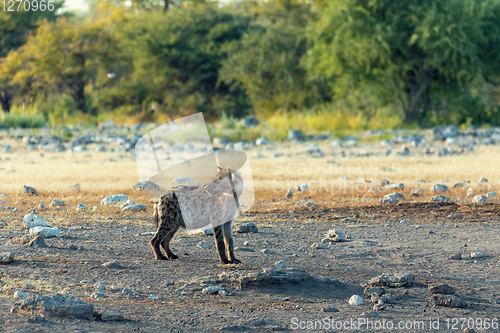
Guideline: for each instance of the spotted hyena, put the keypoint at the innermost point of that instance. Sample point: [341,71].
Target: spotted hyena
[215,199]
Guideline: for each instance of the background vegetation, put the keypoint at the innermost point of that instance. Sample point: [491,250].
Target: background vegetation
[326,65]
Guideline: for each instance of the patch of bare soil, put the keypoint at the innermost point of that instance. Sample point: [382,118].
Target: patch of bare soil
[407,238]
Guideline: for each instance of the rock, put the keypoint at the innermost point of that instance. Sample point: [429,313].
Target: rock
[335,235]
[385,200]
[457,256]
[57,306]
[135,208]
[262,142]
[317,246]
[41,206]
[46,232]
[395,186]
[81,207]
[153,297]
[439,188]
[203,245]
[2,224]
[146,186]
[451,301]
[294,135]
[6,258]
[75,187]
[267,251]
[100,286]
[329,309]
[250,121]
[112,264]
[482,180]
[246,228]
[97,295]
[370,314]
[454,216]
[441,289]
[476,255]
[126,291]
[114,199]
[280,264]
[56,203]
[267,276]
[302,188]
[394,280]
[356,300]
[491,194]
[288,195]
[479,199]
[441,198]
[20,294]
[374,291]
[29,190]
[417,192]
[95,209]
[112,316]
[396,196]
[32,221]
[212,289]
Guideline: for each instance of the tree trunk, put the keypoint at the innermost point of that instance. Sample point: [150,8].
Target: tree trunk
[5,100]
[79,98]
[165,5]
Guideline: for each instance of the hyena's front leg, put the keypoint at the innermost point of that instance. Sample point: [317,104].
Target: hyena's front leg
[219,242]
[229,241]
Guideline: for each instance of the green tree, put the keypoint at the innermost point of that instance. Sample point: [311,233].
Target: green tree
[266,63]
[174,60]
[62,58]
[14,29]
[419,56]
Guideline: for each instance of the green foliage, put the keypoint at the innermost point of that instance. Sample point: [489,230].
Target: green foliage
[19,118]
[266,62]
[411,55]
[174,61]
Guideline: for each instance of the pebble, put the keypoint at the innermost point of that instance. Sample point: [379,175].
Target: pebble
[95,209]
[439,188]
[55,203]
[248,227]
[153,297]
[32,221]
[441,198]
[112,264]
[491,194]
[46,232]
[41,206]
[203,245]
[457,256]
[112,316]
[335,235]
[355,300]
[97,295]
[267,251]
[329,309]
[20,294]
[479,199]
[81,207]
[318,246]
[476,255]
[282,264]
[212,289]
[100,286]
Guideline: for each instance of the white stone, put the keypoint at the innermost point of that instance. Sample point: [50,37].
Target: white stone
[32,221]
[212,289]
[482,180]
[335,235]
[81,207]
[439,188]
[282,264]
[318,246]
[153,297]
[46,232]
[100,286]
[203,245]
[476,255]
[95,209]
[356,300]
[491,194]
[20,294]
[479,199]
[114,199]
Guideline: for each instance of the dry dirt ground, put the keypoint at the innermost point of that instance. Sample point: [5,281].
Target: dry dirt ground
[377,242]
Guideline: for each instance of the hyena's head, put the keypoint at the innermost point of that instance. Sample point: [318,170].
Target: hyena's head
[234,177]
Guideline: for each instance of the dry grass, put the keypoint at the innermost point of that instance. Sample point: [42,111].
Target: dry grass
[54,173]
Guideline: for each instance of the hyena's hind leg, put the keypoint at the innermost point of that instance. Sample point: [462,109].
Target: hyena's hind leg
[167,223]
[229,241]
[166,241]
[219,242]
